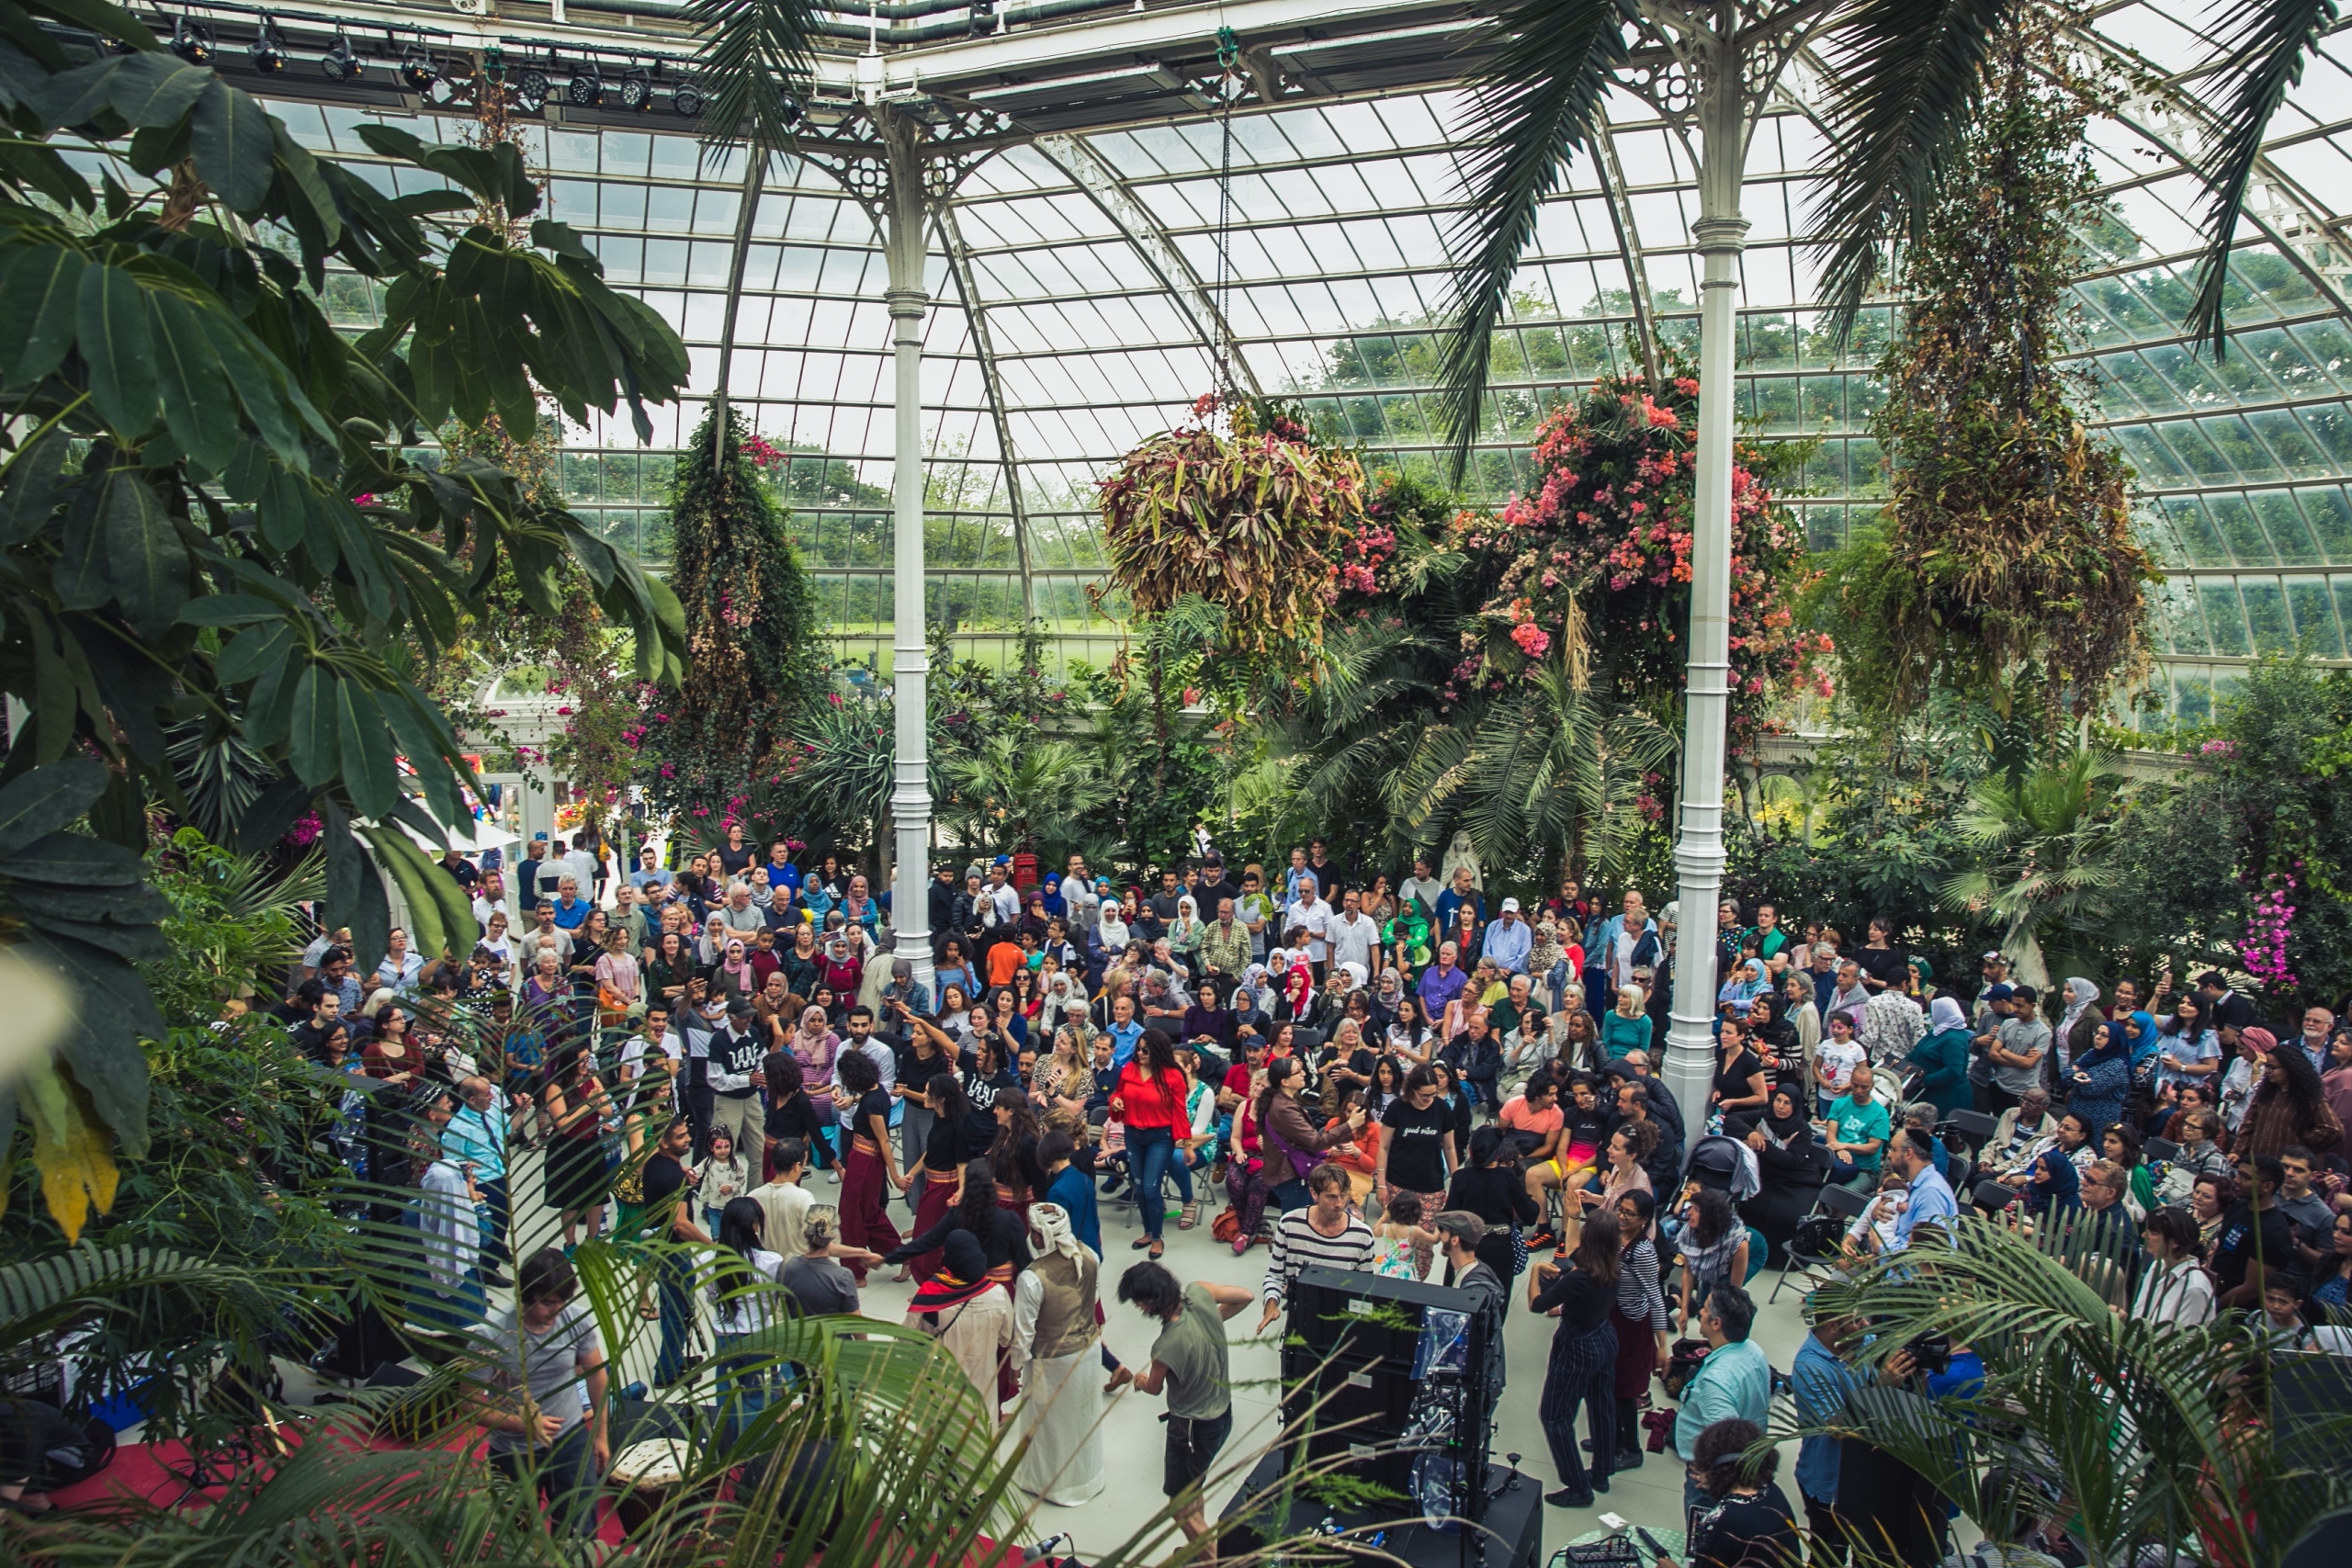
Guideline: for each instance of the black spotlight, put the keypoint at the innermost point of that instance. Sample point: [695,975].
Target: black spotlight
[416,72]
[686,100]
[268,48]
[586,88]
[637,90]
[339,62]
[531,88]
[789,107]
[192,41]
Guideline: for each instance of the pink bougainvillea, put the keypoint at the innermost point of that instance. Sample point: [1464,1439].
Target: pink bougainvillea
[2264,951]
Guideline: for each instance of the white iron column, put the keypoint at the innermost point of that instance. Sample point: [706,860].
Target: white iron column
[910,654]
[1719,235]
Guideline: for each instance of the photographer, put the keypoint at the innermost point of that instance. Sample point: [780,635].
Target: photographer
[1744,1520]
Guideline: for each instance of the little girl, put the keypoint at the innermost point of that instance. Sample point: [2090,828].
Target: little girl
[726,1175]
[1397,1236]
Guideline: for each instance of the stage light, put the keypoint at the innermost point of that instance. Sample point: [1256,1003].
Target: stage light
[789,107]
[268,48]
[192,41]
[416,71]
[637,91]
[586,88]
[339,62]
[686,100]
[531,88]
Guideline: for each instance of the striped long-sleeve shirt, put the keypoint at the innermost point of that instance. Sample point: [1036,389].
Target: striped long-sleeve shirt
[1639,1295]
[1299,1245]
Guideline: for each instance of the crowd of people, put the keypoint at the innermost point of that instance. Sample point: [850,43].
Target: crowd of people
[1410,1078]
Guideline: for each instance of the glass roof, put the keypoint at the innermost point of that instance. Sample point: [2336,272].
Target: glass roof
[1057,341]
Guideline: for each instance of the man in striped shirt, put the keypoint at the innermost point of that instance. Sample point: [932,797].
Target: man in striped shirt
[1325,1233]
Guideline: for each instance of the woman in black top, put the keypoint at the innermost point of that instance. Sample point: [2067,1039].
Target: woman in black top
[1583,1366]
[1739,1075]
[1003,1235]
[1879,957]
[1490,1186]
[945,1147]
[1416,1141]
[1791,1165]
[987,1072]
[1744,1520]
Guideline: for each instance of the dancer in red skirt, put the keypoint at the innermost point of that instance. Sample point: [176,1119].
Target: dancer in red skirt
[944,1149]
[870,1171]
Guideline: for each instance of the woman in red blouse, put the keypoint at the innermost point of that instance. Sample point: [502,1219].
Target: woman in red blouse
[1150,1102]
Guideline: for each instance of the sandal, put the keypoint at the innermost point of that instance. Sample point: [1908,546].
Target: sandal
[648,1311]
[1190,1218]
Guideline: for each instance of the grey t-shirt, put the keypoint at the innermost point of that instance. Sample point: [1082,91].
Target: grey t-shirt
[824,1287]
[1192,1348]
[2022,1037]
[511,1357]
[2313,1219]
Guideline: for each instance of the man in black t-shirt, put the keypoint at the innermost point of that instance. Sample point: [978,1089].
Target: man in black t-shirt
[2254,1237]
[662,1187]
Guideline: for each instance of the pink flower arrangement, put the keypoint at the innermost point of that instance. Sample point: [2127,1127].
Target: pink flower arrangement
[2264,951]
[1532,639]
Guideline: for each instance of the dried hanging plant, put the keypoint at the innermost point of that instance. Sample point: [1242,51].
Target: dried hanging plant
[2005,562]
[1250,519]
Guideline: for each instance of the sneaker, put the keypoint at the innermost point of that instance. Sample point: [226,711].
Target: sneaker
[1564,1498]
[1542,1240]
[1627,1459]
[1600,1482]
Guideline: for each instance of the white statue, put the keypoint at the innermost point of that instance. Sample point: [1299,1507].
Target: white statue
[1460,854]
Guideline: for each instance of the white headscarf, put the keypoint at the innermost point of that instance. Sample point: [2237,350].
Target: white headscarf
[1945,1014]
[1357,974]
[1110,930]
[1049,1227]
[2080,995]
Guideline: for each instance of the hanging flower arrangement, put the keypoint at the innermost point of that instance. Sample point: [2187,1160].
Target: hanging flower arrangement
[1595,560]
[1251,518]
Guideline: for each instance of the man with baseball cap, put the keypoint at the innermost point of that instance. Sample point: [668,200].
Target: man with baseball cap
[1509,940]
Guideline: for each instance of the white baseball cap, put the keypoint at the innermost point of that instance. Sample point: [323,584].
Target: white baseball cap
[1510,906]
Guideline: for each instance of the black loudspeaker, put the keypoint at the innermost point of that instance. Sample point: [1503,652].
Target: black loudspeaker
[1380,1373]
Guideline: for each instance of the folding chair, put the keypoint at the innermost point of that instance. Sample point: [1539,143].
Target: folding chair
[1835,1202]
[2159,1150]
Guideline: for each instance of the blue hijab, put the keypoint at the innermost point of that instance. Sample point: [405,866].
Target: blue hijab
[1053,892]
[2063,1191]
[2139,1034]
[2117,1041]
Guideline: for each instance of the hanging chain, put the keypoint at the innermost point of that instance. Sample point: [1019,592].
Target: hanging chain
[1228,56]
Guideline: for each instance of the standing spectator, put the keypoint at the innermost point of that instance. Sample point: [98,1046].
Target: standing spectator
[542,1363]
[1327,1234]
[1734,1382]
[2017,1049]
[1582,1369]
[1508,941]
[2288,1105]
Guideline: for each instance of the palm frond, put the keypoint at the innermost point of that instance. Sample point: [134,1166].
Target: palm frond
[753,52]
[1532,110]
[1909,76]
[2263,54]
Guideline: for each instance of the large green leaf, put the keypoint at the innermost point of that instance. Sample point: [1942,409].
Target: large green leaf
[39,302]
[36,804]
[368,769]
[233,145]
[118,343]
[72,860]
[146,562]
[155,90]
[252,651]
[197,409]
[116,1013]
[310,734]
[355,890]
[32,489]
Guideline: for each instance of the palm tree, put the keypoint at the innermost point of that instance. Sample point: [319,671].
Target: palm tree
[2048,838]
[2150,1438]
[1020,791]
[1908,77]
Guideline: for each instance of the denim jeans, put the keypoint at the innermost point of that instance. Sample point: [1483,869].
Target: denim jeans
[566,1472]
[672,1279]
[747,1383]
[1151,1155]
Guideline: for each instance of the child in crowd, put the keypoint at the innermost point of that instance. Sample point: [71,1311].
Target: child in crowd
[726,1176]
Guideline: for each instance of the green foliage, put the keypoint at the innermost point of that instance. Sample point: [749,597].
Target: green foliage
[1020,792]
[2136,1426]
[2270,799]
[2005,561]
[750,619]
[2048,866]
[211,508]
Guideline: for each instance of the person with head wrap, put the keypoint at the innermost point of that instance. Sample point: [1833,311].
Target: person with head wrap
[967,1311]
[1942,1056]
[2055,1190]
[2073,1036]
[2102,1074]
[1056,1325]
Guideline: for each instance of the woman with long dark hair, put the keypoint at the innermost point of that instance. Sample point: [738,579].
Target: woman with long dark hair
[870,1165]
[946,1147]
[1003,1235]
[1582,1369]
[1020,1179]
[1150,1101]
[575,1175]
[2288,1105]
[745,1281]
[673,966]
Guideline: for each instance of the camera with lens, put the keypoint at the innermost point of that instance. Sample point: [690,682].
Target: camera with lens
[1931,1353]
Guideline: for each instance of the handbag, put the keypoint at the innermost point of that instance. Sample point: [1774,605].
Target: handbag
[1518,1252]
[1682,1365]
[1227,1226]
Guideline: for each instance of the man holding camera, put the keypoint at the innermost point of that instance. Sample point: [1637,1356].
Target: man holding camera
[1734,1381]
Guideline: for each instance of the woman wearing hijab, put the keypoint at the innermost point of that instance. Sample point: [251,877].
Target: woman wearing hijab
[2056,1187]
[814,1045]
[1942,1056]
[968,1312]
[1743,987]
[734,979]
[2102,1074]
[1064,1003]
[1185,930]
[840,970]
[1110,936]
[2073,1036]
[859,907]
[1054,1330]
[1049,893]
[1789,1165]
